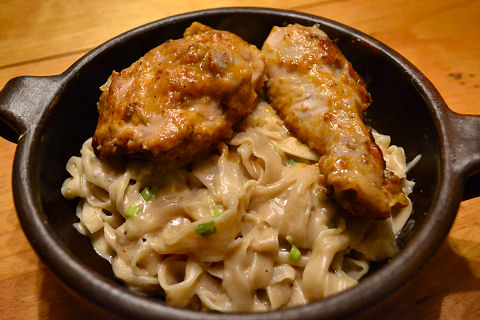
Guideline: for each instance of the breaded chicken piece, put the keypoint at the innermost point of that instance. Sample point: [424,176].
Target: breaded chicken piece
[182,97]
[321,99]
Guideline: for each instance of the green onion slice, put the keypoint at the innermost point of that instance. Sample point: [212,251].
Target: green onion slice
[292,163]
[289,239]
[294,254]
[132,211]
[217,210]
[206,229]
[146,194]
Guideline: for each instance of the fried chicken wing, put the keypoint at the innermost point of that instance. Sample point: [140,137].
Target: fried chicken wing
[322,99]
[180,98]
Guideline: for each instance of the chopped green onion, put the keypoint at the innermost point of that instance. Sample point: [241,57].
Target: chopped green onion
[206,229]
[217,210]
[132,211]
[146,194]
[292,163]
[289,239]
[294,254]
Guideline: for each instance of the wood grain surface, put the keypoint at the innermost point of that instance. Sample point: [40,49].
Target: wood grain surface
[442,38]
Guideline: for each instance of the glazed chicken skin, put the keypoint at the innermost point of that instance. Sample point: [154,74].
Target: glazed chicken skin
[321,99]
[179,99]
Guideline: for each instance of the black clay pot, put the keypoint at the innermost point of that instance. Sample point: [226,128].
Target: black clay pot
[52,116]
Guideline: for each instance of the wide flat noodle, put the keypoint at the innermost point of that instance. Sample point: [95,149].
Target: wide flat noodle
[262,193]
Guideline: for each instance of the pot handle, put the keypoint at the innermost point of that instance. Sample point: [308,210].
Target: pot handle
[464,142]
[22,101]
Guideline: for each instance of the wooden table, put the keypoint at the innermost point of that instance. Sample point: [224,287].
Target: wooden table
[442,38]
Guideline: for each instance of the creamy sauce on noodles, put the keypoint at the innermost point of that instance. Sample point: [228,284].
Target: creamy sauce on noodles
[219,232]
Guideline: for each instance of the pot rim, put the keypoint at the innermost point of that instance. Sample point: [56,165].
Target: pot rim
[120,300]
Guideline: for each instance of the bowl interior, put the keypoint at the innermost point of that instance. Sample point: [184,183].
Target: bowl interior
[398,109]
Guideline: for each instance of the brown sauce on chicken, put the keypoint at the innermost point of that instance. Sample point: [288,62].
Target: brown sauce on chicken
[321,99]
[180,98]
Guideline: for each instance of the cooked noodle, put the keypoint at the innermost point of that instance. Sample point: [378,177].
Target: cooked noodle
[214,236]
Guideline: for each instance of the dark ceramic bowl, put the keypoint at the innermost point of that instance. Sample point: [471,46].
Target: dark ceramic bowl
[52,116]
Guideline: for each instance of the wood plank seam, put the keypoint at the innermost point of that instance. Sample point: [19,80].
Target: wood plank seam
[56,56]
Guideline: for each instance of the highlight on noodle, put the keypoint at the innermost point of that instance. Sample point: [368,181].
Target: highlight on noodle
[248,228]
